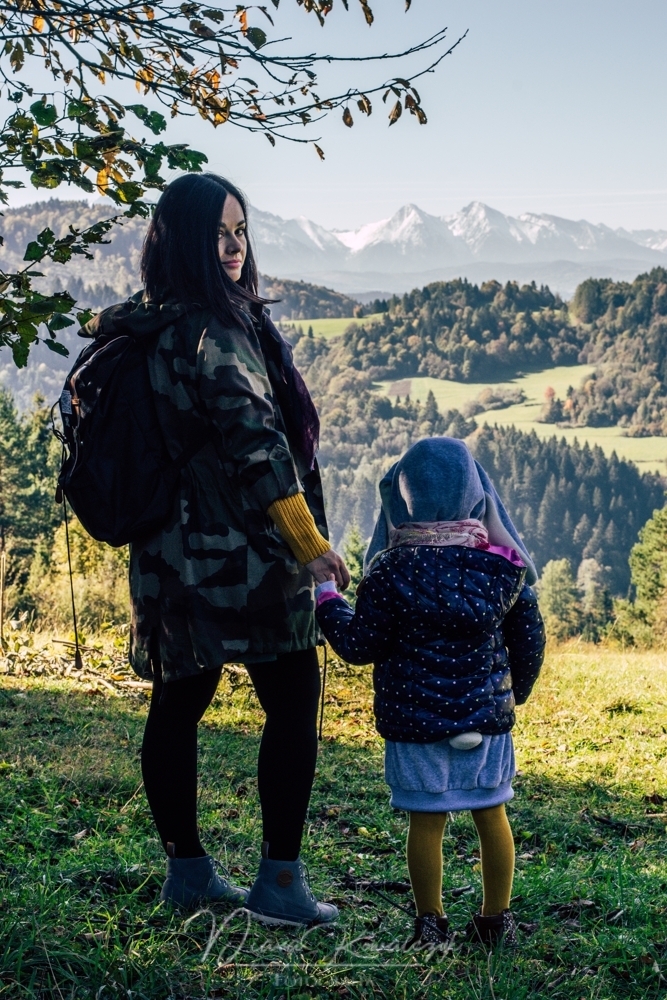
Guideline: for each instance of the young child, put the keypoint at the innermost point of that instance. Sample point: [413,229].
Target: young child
[446,614]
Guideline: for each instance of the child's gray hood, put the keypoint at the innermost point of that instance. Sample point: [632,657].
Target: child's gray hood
[439,480]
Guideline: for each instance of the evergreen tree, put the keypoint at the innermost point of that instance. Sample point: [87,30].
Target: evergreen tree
[353,553]
[559,599]
[643,620]
[28,514]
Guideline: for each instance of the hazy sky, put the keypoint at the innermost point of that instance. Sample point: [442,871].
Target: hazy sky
[547,107]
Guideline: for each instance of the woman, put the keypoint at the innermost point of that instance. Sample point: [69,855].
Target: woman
[230,576]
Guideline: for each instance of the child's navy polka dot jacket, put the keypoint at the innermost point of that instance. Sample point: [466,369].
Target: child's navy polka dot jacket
[455,636]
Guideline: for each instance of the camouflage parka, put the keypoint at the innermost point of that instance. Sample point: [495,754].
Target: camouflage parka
[218,583]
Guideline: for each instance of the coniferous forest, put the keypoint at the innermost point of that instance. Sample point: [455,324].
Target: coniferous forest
[570,502]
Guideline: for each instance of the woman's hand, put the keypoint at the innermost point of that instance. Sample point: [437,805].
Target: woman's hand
[330,565]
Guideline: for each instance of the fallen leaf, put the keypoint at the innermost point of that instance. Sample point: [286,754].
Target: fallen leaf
[80,835]
[93,936]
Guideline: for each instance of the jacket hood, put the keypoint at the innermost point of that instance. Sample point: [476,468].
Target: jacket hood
[137,317]
[439,480]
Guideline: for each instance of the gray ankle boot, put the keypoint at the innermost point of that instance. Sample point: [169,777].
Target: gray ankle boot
[281,895]
[193,882]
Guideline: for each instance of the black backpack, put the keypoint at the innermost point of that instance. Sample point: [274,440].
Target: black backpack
[116,472]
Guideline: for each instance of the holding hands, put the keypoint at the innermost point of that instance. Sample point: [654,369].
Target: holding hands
[330,566]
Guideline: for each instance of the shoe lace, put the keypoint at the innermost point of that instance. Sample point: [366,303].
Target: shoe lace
[305,879]
[221,869]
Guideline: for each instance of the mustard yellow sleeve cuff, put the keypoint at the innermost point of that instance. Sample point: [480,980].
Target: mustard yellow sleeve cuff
[297,526]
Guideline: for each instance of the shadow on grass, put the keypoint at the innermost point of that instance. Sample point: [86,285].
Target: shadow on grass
[80,870]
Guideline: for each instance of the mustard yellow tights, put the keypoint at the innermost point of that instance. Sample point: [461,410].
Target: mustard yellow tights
[424,851]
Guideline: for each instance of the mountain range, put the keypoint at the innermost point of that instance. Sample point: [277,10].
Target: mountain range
[413,248]
[396,254]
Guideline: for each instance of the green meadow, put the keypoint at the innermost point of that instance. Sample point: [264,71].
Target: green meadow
[80,867]
[650,453]
[328,328]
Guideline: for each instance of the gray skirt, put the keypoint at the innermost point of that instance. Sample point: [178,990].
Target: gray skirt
[435,777]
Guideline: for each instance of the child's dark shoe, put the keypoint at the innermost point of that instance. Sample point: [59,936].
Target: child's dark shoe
[430,930]
[493,930]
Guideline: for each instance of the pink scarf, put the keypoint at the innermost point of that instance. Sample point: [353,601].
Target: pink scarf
[470,534]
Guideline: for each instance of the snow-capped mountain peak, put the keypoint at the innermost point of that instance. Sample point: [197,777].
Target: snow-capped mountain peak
[406,250]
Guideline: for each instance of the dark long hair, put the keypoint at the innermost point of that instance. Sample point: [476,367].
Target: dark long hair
[180,256]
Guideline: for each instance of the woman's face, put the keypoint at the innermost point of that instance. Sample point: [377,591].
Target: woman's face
[232,242]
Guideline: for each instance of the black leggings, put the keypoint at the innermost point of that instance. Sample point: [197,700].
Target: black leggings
[288,690]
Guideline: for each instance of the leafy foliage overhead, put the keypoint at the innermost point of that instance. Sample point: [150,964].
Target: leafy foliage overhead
[185,58]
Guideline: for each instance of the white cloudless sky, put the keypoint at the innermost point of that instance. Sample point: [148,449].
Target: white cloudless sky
[545,107]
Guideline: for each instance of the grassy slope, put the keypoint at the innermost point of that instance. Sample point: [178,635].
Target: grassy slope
[328,327]
[650,454]
[80,867]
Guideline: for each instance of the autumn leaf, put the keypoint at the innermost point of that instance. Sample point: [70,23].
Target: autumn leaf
[347,118]
[319,151]
[102,181]
[201,29]
[414,109]
[368,13]
[364,105]
[38,23]
[220,107]
[395,113]
[256,37]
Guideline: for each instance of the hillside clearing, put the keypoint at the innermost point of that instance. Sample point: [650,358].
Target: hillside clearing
[327,328]
[649,453]
[80,866]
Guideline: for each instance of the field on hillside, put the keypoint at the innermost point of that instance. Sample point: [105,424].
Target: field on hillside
[80,867]
[649,453]
[327,328]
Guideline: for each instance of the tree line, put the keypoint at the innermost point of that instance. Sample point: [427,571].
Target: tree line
[464,332]
[570,502]
[626,331]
